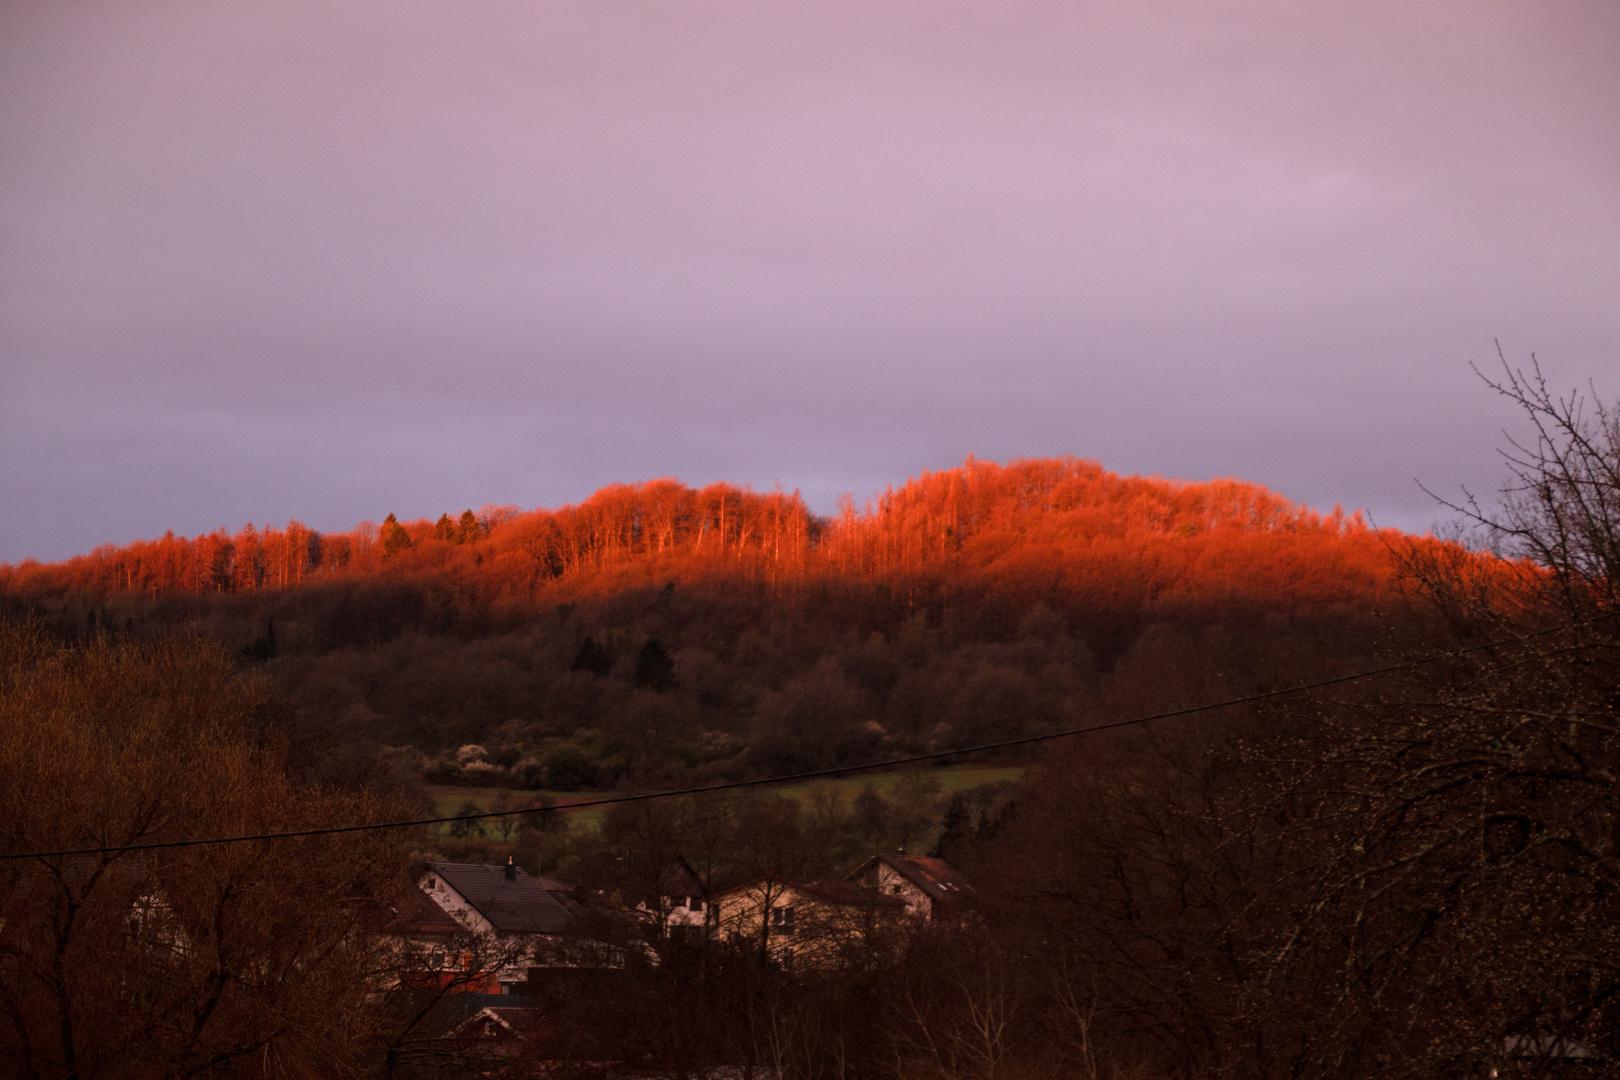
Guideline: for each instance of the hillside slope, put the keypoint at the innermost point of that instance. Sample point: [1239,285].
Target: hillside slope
[734,632]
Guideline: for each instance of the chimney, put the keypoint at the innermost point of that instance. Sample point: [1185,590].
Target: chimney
[511,869]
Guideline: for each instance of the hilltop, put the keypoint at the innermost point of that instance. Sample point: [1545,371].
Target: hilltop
[658,629]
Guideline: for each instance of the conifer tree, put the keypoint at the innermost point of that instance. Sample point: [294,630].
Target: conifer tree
[394,537]
[655,668]
[592,657]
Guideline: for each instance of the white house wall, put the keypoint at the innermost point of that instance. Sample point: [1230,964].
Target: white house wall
[891,883]
[455,905]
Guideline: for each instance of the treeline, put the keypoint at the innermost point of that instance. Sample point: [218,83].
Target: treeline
[1054,523]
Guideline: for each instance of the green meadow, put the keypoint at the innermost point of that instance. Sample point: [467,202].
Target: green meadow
[449,800]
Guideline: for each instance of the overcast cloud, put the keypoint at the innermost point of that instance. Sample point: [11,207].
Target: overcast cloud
[271,260]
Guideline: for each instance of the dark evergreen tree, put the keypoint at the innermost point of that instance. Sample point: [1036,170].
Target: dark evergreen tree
[956,826]
[394,536]
[592,657]
[655,668]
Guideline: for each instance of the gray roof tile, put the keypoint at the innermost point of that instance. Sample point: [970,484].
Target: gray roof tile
[519,906]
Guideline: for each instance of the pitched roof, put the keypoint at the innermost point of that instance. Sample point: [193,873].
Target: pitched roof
[934,877]
[680,879]
[519,905]
[416,913]
[508,1019]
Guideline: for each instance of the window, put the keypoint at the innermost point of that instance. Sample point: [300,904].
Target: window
[782,919]
[694,903]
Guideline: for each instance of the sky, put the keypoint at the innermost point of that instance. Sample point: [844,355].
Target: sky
[274,260]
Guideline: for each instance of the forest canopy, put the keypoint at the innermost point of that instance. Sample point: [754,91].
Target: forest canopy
[1049,520]
[656,630]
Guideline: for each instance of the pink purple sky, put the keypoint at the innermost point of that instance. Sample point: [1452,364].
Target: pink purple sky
[267,260]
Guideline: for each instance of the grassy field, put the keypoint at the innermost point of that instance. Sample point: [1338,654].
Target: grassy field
[952,778]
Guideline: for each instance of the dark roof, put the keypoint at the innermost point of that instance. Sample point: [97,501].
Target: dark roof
[935,877]
[513,1019]
[416,913]
[681,880]
[521,905]
[565,893]
[453,1011]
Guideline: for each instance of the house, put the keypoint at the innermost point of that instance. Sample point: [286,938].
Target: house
[478,1032]
[809,924]
[528,924]
[495,899]
[684,896]
[503,1025]
[667,900]
[930,889]
[432,951]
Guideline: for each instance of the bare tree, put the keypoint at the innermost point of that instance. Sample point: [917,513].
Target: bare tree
[216,960]
[1560,508]
[1464,898]
[417,1033]
[958,1011]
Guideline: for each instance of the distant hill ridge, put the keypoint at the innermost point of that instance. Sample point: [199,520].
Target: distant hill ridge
[656,632]
[1063,527]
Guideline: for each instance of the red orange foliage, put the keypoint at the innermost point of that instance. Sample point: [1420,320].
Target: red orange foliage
[1059,529]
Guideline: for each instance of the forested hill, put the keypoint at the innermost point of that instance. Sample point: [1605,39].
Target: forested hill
[657,629]
[1077,533]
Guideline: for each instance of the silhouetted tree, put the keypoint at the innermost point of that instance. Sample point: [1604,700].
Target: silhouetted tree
[655,668]
[592,657]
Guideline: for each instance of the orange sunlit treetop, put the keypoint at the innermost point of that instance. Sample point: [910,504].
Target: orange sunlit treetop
[1063,528]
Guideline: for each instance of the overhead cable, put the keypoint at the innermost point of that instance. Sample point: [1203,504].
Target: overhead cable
[817,774]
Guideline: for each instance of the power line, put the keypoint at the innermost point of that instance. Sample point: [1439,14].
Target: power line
[819,774]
